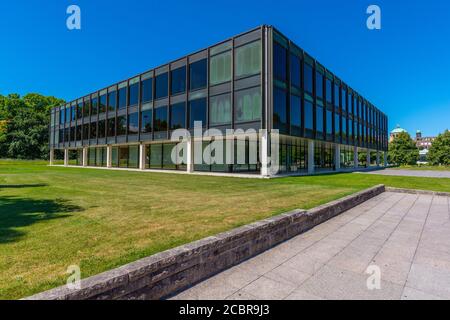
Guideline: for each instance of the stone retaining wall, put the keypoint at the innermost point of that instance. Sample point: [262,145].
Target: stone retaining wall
[414,191]
[165,273]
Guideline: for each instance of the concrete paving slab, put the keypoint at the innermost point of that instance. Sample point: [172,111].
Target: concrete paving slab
[406,235]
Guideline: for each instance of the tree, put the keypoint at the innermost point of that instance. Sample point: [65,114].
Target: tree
[24,125]
[440,150]
[403,150]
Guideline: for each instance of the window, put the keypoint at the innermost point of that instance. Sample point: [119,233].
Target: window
[133,94]
[344,100]
[161,119]
[319,85]
[73,112]
[155,155]
[101,128]
[147,90]
[112,101]
[133,157]
[279,62]
[308,115]
[197,112]
[248,59]
[220,68]
[115,156]
[319,120]
[93,130]
[220,110]
[337,127]
[122,98]
[72,133]
[133,123]
[336,95]
[295,115]
[68,116]
[178,80]
[146,121]
[91,156]
[198,74]
[80,110]
[279,110]
[161,86]
[111,127]
[78,133]
[87,107]
[167,156]
[123,157]
[121,125]
[94,106]
[329,122]
[61,116]
[308,77]
[329,91]
[248,105]
[102,104]
[295,71]
[178,116]
[86,131]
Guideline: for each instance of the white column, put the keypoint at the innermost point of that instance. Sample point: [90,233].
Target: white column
[142,156]
[52,156]
[66,157]
[310,156]
[378,158]
[385,159]
[355,157]
[368,158]
[337,157]
[108,156]
[85,157]
[189,155]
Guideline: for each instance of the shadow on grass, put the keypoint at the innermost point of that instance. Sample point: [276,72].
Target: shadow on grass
[16,212]
[20,186]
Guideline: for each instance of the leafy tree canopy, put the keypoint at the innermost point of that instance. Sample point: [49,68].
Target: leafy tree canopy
[24,125]
[440,150]
[403,150]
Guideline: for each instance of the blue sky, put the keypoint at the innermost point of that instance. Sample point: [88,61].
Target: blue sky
[404,68]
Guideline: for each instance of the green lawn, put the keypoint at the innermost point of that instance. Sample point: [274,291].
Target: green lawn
[53,217]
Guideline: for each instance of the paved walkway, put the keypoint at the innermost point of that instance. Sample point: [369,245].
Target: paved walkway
[407,236]
[412,173]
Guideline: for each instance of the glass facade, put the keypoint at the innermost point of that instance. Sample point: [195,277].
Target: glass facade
[225,86]
[220,110]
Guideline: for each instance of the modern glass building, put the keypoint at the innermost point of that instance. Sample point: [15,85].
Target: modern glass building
[256,80]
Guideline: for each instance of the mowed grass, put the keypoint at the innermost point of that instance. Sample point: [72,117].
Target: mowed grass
[54,217]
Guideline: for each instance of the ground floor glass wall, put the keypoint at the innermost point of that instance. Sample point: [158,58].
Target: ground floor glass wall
[323,156]
[244,156]
[97,157]
[347,157]
[293,155]
[159,156]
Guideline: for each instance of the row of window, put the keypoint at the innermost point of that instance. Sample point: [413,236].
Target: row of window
[310,102]
[318,122]
[247,108]
[159,156]
[247,62]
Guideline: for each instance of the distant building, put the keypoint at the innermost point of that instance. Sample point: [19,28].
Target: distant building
[423,142]
[396,132]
